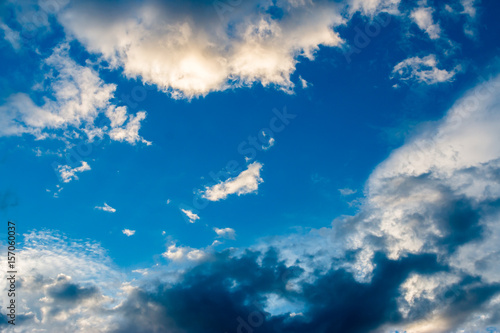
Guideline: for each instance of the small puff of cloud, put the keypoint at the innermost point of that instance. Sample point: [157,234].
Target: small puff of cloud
[246,182]
[107,208]
[128,232]
[190,215]
[227,233]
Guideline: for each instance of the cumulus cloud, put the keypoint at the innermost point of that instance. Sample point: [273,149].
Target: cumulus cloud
[75,98]
[423,70]
[128,232]
[422,16]
[190,215]
[190,53]
[68,174]
[246,182]
[179,253]
[228,233]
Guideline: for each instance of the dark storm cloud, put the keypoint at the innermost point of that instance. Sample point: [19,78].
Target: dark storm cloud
[208,300]
[65,291]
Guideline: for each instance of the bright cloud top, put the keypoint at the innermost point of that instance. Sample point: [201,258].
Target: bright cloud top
[246,182]
[190,54]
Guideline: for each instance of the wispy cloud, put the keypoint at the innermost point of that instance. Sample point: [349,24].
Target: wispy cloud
[190,215]
[246,182]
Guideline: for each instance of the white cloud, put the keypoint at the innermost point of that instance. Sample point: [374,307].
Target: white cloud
[227,233]
[190,54]
[190,215]
[180,253]
[128,232]
[422,16]
[77,98]
[246,182]
[423,70]
[129,132]
[68,174]
[106,208]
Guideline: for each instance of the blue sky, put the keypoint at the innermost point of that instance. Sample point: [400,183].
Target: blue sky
[304,151]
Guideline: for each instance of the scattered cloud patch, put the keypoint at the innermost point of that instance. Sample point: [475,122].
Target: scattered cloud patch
[128,232]
[246,182]
[423,70]
[68,174]
[190,215]
[227,233]
[74,98]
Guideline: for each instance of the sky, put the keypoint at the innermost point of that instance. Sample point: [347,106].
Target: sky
[251,166]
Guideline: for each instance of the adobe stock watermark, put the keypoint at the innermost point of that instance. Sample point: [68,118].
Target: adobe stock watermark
[363,37]
[248,149]
[34,20]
